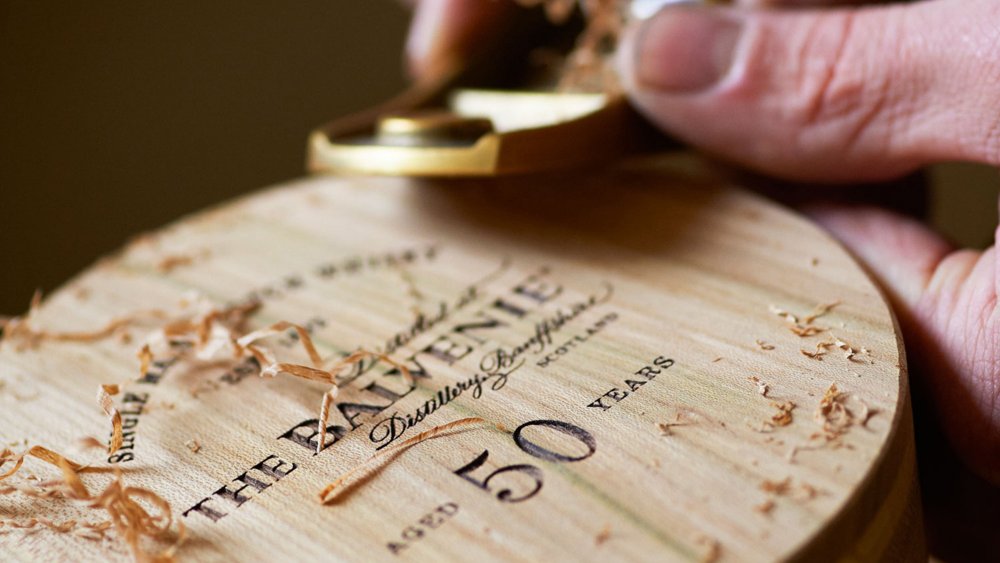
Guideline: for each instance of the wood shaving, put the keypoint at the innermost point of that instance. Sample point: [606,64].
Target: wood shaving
[764,345]
[589,66]
[784,415]
[38,452]
[804,327]
[334,489]
[762,388]
[808,491]
[193,445]
[20,330]
[765,507]
[209,331]
[866,414]
[832,413]
[603,536]
[819,311]
[104,394]
[821,349]
[131,521]
[785,487]
[95,531]
[712,549]
[850,353]
[664,427]
[777,487]
[171,262]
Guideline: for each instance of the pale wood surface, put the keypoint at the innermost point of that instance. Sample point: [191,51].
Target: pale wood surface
[693,270]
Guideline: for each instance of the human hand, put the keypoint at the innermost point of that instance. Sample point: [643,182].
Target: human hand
[857,94]
[849,94]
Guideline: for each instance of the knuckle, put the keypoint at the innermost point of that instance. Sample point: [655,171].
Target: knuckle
[845,95]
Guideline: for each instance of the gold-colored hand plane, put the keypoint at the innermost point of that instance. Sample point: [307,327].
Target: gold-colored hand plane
[453,125]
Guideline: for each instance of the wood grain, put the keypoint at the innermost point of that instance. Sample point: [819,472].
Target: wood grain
[668,273]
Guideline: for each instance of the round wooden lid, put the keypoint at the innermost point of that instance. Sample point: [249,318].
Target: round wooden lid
[667,370]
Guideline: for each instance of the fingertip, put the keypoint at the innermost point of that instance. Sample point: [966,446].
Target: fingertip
[682,49]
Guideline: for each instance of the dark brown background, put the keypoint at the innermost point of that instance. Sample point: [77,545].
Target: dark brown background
[117,117]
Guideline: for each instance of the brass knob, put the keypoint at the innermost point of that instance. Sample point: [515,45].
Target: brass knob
[431,127]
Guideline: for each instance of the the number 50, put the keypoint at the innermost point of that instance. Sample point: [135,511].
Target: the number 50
[533,449]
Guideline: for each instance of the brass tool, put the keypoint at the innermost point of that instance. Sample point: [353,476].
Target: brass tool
[440,129]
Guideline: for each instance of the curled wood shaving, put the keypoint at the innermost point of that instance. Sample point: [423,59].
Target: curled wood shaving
[866,414]
[785,487]
[808,491]
[850,353]
[168,263]
[132,522]
[832,413]
[20,330]
[330,395]
[280,328]
[762,388]
[784,415]
[193,445]
[819,311]
[104,394]
[212,330]
[777,487]
[145,356]
[765,507]
[804,327]
[821,349]
[603,536]
[171,262]
[713,550]
[331,491]
[87,530]
[41,453]
[130,519]
[589,66]
[664,427]
[764,345]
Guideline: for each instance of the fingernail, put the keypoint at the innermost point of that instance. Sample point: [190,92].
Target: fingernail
[685,49]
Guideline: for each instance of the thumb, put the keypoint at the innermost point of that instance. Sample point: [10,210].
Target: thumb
[835,94]
[946,302]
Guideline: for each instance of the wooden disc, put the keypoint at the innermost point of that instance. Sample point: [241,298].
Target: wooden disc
[639,347]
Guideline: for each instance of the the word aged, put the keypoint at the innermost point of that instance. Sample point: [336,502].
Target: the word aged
[424,525]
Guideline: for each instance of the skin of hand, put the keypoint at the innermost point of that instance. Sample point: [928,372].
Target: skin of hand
[851,94]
